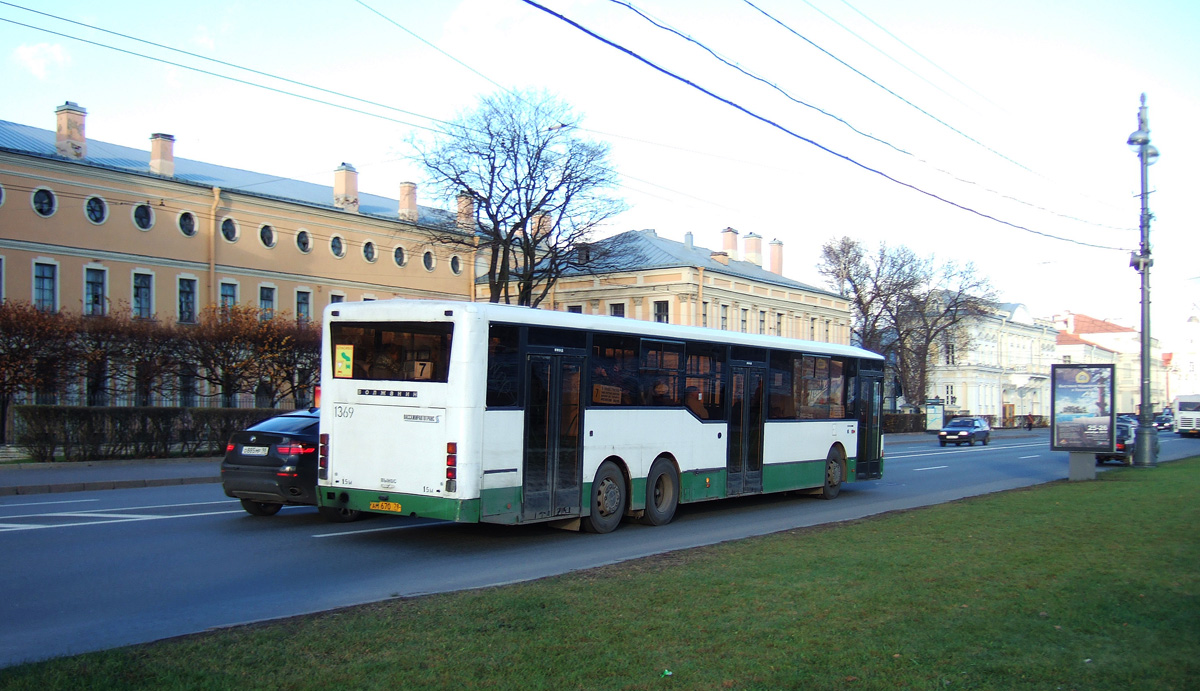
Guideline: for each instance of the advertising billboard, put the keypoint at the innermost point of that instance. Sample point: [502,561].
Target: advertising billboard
[1081,399]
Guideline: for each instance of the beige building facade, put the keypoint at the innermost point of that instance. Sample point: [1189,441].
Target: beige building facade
[1004,371]
[649,277]
[89,226]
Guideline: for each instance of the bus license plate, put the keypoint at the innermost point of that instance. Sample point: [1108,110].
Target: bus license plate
[254,451]
[386,506]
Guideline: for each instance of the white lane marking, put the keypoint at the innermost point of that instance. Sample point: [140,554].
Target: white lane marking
[969,449]
[131,519]
[48,503]
[932,467]
[110,510]
[378,530]
[1021,458]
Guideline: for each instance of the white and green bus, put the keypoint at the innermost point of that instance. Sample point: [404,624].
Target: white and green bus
[479,412]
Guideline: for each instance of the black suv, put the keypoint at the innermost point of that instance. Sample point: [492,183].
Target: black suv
[274,463]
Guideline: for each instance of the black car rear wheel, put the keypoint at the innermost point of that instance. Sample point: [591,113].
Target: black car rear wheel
[260,508]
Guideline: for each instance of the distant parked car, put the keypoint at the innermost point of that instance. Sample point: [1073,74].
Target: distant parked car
[1164,422]
[965,430]
[1126,434]
[274,463]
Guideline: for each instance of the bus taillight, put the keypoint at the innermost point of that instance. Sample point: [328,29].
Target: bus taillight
[451,460]
[323,458]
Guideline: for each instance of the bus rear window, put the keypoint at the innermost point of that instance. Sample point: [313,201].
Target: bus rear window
[391,351]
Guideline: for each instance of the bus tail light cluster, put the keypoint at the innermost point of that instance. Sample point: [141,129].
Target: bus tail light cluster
[323,458]
[451,466]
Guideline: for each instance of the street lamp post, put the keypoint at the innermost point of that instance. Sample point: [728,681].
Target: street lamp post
[1146,451]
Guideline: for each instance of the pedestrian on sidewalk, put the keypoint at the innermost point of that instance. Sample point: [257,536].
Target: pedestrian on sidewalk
[1028,421]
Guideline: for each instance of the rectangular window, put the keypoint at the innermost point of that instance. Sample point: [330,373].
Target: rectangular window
[615,370]
[266,302]
[812,331]
[724,317]
[778,324]
[704,314]
[303,306]
[504,365]
[336,298]
[93,292]
[762,322]
[702,380]
[187,300]
[617,309]
[143,291]
[745,320]
[661,312]
[659,372]
[45,287]
[395,351]
[949,354]
[575,309]
[229,296]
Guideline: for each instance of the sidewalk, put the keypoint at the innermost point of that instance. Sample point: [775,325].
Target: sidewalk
[52,478]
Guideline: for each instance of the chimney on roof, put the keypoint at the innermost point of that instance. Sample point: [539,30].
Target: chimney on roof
[408,202]
[754,248]
[777,256]
[466,212]
[687,240]
[162,154]
[720,257]
[345,188]
[71,141]
[729,243]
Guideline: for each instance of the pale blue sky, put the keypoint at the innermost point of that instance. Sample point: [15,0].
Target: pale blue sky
[1052,85]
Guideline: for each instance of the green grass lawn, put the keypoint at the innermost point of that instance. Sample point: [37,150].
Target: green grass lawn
[1089,585]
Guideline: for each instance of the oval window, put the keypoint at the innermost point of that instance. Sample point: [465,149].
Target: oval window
[429,261]
[369,251]
[456,265]
[398,256]
[44,203]
[337,247]
[143,216]
[267,235]
[97,210]
[187,223]
[229,230]
[303,241]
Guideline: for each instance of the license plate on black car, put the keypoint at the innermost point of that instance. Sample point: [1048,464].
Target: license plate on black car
[254,451]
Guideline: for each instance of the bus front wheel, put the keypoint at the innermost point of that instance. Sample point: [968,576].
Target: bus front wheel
[662,493]
[833,476]
[608,500]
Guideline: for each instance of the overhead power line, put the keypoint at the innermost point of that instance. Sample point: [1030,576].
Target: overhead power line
[914,156]
[796,135]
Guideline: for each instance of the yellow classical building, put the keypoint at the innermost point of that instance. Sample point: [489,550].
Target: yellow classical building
[86,225]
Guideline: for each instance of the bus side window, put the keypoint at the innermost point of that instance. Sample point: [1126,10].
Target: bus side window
[503,365]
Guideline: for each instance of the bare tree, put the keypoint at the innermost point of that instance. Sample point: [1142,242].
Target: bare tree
[33,347]
[905,307]
[537,189]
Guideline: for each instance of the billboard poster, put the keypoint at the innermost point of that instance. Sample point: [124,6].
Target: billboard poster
[1081,398]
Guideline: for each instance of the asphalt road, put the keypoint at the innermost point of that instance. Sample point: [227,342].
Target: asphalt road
[94,570]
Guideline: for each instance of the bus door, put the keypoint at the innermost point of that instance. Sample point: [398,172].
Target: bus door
[870,425]
[747,414]
[553,446]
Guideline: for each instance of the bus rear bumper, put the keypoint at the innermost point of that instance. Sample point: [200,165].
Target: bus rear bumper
[401,504]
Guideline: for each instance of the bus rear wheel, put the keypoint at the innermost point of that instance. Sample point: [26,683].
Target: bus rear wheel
[833,476]
[662,493]
[607,501]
